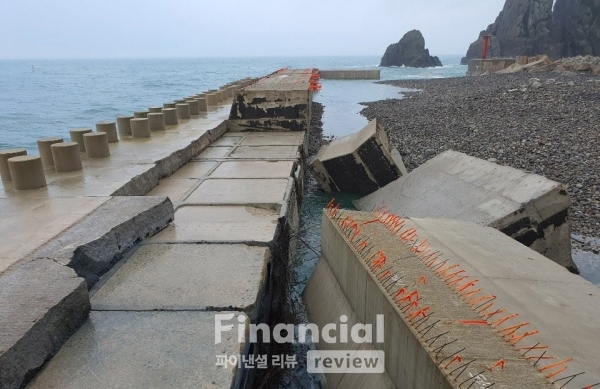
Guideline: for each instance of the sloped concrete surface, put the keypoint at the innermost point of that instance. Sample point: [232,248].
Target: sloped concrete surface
[98,241]
[140,350]
[209,277]
[530,208]
[41,304]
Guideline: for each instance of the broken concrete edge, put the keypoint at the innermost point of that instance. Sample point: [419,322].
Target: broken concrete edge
[272,302]
[94,244]
[43,303]
[358,163]
[145,182]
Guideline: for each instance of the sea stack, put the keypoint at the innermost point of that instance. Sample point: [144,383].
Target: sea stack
[410,52]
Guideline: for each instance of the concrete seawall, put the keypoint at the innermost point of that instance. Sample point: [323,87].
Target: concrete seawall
[446,289]
[367,74]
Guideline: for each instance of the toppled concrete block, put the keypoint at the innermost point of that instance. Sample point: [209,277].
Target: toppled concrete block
[527,207]
[358,163]
[42,303]
[93,245]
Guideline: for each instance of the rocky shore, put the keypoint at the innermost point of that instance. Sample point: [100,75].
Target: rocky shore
[548,125]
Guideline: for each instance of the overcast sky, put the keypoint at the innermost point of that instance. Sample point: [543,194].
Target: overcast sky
[232,28]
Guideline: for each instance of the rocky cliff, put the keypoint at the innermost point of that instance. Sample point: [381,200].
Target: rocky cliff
[533,27]
[410,52]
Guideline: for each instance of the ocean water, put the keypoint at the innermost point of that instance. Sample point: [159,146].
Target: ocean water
[64,94]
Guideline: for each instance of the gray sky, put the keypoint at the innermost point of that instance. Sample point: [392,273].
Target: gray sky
[231,28]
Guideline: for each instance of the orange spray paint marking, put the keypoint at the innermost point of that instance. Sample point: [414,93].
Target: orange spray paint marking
[432,262]
[400,293]
[380,261]
[488,315]
[343,223]
[540,357]
[557,372]
[514,340]
[363,245]
[489,296]
[408,232]
[421,312]
[457,358]
[410,296]
[472,293]
[452,275]
[414,304]
[557,364]
[469,284]
[422,280]
[499,322]
[515,327]
[369,222]
[534,348]
[482,310]
[380,253]
[441,273]
[384,275]
[330,203]
[472,322]
[500,364]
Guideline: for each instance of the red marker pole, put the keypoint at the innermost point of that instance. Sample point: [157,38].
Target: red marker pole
[486,44]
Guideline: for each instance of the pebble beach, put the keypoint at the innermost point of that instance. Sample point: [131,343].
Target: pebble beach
[547,124]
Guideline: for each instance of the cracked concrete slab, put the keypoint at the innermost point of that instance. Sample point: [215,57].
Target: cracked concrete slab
[173,188]
[254,169]
[209,277]
[220,224]
[266,152]
[141,350]
[94,244]
[41,304]
[243,191]
[214,152]
[530,208]
[273,139]
[194,170]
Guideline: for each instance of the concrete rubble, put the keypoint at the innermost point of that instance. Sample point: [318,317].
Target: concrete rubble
[543,64]
[527,207]
[358,163]
[492,273]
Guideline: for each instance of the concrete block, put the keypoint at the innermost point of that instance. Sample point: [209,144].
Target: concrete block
[273,139]
[194,107]
[140,114]
[95,243]
[366,74]
[169,105]
[254,169]
[27,172]
[170,115]
[77,136]
[202,104]
[110,128]
[5,155]
[42,303]
[155,109]
[156,121]
[66,157]
[234,191]
[221,224]
[45,150]
[96,145]
[124,125]
[358,163]
[183,111]
[529,208]
[212,99]
[205,280]
[142,350]
[140,128]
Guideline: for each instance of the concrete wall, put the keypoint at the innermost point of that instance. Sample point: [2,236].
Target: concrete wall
[478,67]
[369,74]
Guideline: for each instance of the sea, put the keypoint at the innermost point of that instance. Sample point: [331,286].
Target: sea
[43,98]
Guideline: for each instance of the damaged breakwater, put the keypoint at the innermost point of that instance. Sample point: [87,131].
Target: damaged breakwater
[548,127]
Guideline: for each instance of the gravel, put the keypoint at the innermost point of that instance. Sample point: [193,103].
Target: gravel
[543,123]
